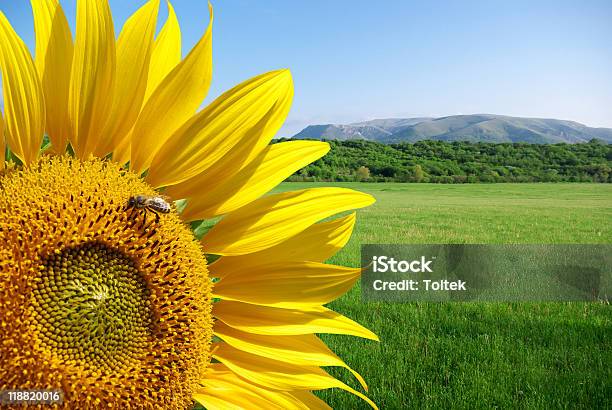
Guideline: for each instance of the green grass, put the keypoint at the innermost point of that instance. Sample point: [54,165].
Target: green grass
[478,355]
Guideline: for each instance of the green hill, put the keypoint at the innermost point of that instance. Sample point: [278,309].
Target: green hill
[461,162]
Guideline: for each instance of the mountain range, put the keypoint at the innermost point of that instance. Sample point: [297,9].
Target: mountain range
[475,128]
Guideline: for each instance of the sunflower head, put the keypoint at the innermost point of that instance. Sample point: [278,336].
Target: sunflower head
[111,300]
[94,298]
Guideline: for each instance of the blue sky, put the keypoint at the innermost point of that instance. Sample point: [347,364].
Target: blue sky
[357,60]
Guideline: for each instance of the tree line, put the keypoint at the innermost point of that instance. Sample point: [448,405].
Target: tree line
[460,162]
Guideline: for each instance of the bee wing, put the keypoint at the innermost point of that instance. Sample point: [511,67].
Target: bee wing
[161,203]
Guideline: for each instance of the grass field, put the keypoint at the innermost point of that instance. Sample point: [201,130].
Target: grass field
[478,355]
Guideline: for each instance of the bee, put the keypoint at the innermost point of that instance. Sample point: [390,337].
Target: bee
[155,204]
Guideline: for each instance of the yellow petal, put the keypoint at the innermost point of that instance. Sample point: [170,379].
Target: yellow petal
[261,173]
[166,52]
[287,284]
[317,243]
[274,374]
[246,113]
[224,396]
[92,76]
[311,401]
[273,166]
[230,400]
[134,48]
[273,219]
[302,350]
[24,105]
[175,100]
[54,51]
[241,154]
[222,389]
[123,150]
[265,320]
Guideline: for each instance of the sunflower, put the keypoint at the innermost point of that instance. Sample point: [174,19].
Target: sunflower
[132,306]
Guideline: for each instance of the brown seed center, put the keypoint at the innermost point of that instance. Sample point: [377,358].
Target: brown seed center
[93,306]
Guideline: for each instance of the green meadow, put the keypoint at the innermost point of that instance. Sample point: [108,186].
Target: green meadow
[477,355]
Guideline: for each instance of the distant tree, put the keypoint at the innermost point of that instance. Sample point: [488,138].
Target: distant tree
[362,173]
[388,171]
[315,171]
[405,176]
[418,173]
